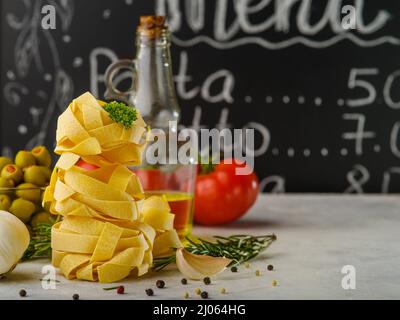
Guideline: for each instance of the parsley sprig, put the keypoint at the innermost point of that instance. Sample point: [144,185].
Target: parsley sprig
[121,113]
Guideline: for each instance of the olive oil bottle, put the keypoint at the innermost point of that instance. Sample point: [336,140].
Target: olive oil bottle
[153,93]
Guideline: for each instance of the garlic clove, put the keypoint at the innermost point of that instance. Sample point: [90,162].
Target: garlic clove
[207,264]
[185,268]
[14,240]
[196,266]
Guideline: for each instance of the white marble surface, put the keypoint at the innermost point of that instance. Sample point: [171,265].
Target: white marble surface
[317,236]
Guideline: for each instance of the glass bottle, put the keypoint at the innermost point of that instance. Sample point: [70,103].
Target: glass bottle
[153,90]
[153,93]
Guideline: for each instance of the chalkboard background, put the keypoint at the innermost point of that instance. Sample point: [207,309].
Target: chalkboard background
[324,100]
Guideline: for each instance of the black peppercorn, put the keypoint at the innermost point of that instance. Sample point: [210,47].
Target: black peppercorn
[204,295]
[75,296]
[160,284]
[184,281]
[234,269]
[270,267]
[207,280]
[149,292]
[22,293]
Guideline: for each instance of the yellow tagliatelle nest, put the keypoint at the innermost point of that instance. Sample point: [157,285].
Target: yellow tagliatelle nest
[86,130]
[108,229]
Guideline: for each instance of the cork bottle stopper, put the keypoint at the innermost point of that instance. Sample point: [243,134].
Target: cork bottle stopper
[151,26]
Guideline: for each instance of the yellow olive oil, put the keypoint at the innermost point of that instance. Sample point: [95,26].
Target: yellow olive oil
[182,206]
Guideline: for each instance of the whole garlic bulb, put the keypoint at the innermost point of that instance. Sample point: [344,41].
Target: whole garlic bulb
[14,240]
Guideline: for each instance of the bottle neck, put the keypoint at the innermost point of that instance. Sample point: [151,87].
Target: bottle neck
[155,91]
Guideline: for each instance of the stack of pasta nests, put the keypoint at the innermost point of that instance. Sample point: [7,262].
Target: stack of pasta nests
[108,230]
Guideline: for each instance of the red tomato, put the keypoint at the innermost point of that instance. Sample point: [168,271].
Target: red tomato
[86,166]
[222,196]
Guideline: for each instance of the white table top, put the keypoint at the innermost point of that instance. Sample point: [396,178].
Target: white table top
[317,236]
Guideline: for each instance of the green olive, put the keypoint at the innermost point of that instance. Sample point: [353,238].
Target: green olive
[42,156]
[4,161]
[5,202]
[5,183]
[47,172]
[22,209]
[24,159]
[35,175]
[41,217]
[12,172]
[29,191]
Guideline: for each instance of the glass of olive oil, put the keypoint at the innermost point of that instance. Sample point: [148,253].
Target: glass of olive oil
[177,183]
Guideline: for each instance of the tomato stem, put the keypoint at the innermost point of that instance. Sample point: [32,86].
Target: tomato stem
[206,168]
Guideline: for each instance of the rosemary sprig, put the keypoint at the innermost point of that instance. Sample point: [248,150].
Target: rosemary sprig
[161,262]
[40,244]
[239,248]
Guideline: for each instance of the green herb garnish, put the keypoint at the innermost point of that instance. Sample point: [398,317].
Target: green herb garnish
[112,288]
[121,113]
[40,244]
[239,248]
